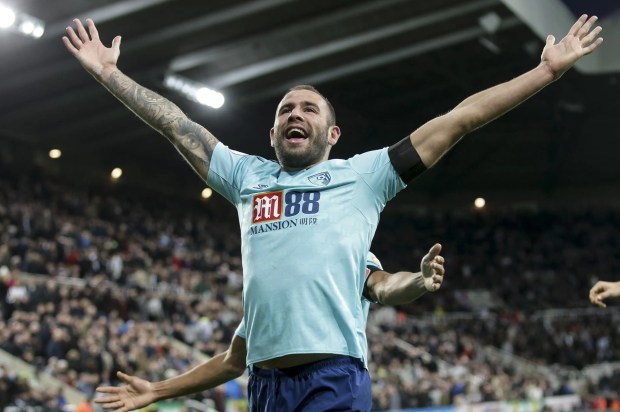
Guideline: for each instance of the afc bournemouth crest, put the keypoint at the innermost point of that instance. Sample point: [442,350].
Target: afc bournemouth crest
[320,179]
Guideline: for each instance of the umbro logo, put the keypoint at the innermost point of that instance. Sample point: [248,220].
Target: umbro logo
[258,187]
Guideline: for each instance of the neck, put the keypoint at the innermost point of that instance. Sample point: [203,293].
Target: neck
[297,169]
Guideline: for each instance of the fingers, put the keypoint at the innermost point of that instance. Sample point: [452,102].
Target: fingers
[124,377]
[432,254]
[438,267]
[117,406]
[592,35]
[75,40]
[550,40]
[81,31]
[574,30]
[598,293]
[590,40]
[438,273]
[69,45]
[108,389]
[110,402]
[434,259]
[589,49]
[116,43]
[597,300]
[585,28]
[435,250]
[436,282]
[82,36]
[94,34]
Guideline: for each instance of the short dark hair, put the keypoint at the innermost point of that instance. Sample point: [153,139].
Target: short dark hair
[332,113]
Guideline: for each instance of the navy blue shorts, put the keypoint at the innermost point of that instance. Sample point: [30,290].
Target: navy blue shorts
[334,384]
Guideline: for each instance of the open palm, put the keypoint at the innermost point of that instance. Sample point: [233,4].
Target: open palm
[580,40]
[88,49]
[136,393]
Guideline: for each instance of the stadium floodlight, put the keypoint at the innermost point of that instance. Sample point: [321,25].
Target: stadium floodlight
[7,17]
[194,91]
[209,97]
[21,23]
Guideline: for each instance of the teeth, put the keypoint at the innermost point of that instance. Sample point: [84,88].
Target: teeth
[296,130]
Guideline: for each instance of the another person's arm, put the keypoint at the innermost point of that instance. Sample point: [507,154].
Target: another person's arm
[138,393]
[603,290]
[404,287]
[433,139]
[194,142]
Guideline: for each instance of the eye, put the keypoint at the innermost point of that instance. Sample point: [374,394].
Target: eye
[311,109]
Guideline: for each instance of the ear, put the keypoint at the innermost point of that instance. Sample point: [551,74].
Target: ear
[334,135]
[271,134]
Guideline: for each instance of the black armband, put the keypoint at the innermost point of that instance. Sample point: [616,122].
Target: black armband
[406,160]
[370,269]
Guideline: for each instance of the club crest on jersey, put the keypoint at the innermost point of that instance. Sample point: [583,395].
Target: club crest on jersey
[320,179]
[267,207]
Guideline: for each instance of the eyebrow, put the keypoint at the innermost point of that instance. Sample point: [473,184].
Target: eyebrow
[305,103]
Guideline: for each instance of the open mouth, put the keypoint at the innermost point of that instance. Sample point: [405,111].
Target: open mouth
[296,134]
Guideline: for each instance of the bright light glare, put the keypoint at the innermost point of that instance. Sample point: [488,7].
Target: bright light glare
[209,97]
[7,17]
[480,202]
[206,193]
[38,31]
[55,153]
[116,173]
[27,27]
[195,91]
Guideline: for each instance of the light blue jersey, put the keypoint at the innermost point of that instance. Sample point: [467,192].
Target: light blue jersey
[371,262]
[305,237]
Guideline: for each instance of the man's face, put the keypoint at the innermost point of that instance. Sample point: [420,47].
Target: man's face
[301,134]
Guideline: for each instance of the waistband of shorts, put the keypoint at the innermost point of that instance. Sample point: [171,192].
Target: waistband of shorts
[306,368]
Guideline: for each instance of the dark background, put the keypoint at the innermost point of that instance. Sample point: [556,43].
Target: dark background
[386,65]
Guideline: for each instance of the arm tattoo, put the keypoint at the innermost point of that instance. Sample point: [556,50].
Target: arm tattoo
[194,142]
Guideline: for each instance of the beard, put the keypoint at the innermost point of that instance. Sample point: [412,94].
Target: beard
[300,158]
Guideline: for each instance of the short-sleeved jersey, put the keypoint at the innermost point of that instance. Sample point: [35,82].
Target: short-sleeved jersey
[305,237]
[372,263]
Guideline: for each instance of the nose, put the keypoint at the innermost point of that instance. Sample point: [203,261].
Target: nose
[294,114]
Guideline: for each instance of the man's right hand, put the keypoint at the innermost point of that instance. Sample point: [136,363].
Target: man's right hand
[137,393]
[98,60]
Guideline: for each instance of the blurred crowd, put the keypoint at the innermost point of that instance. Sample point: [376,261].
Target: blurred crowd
[122,277]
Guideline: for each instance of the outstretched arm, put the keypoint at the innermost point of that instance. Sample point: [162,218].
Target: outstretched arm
[603,290]
[138,393]
[436,137]
[194,142]
[404,287]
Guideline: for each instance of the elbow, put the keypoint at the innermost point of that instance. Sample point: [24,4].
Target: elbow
[236,370]
[234,367]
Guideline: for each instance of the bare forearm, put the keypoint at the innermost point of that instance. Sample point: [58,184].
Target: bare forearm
[400,288]
[433,139]
[194,142]
[493,102]
[208,375]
